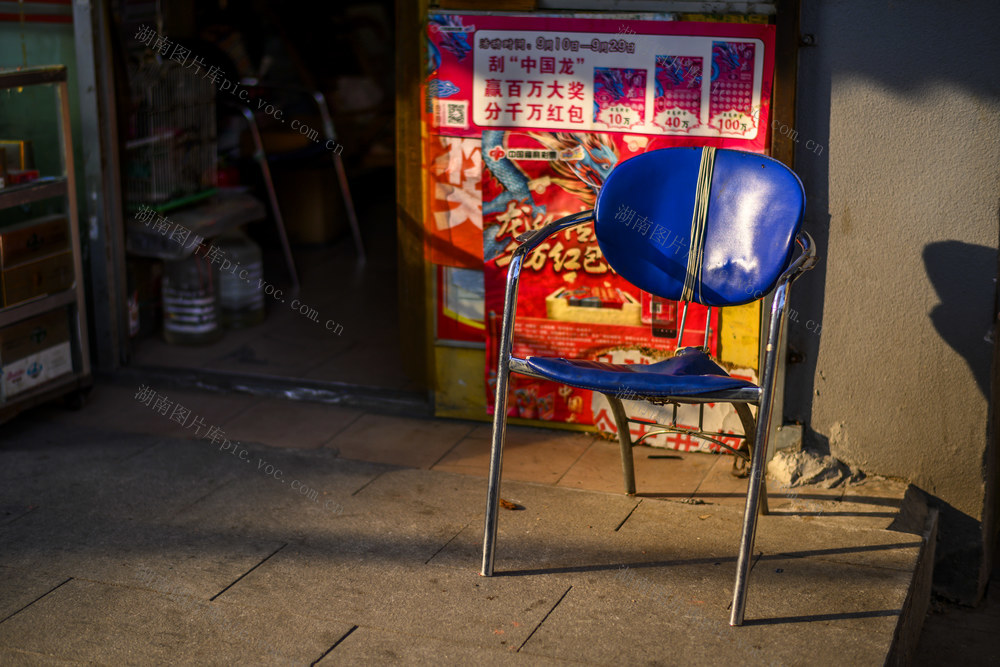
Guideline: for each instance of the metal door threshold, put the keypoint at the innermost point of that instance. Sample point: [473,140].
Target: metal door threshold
[362,397]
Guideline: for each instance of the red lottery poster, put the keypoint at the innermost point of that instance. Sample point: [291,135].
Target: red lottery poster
[545,108]
[571,303]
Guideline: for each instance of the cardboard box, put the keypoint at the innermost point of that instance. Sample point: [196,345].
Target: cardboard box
[34,352]
[33,240]
[44,276]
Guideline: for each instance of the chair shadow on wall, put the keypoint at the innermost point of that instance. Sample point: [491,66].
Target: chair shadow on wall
[960,318]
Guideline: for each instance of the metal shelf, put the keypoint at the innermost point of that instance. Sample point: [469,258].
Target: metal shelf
[51,390]
[72,299]
[32,76]
[43,188]
[23,311]
[227,210]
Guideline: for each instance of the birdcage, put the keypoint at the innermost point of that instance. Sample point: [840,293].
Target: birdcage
[171,148]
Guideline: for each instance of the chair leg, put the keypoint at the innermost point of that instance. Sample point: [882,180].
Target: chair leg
[749,430]
[625,440]
[279,222]
[755,491]
[345,189]
[352,217]
[496,465]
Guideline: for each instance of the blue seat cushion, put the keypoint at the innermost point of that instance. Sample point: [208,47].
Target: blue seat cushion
[690,373]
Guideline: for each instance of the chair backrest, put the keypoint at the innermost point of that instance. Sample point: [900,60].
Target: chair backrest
[644,213]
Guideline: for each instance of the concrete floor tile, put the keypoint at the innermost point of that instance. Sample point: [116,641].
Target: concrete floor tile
[669,531]
[410,598]
[115,408]
[813,592]
[810,539]
[358,508]
[401,515]
[93,622]
[118,550]
[307,497]
[942,644]
[876,497]
[215,408]
[285,423]
[529,454]
[664,527]
[417,443]
[11,513]
[19,588]
[377,646]
[40,463]
[554,531]
[149,529]
[105,520]
[720,487]
[9,656]
[658,472]
[683,613]
[145,484]
[367,510]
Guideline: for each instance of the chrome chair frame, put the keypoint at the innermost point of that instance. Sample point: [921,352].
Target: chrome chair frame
[755,431]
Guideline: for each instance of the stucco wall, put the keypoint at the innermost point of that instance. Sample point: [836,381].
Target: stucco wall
[898,124]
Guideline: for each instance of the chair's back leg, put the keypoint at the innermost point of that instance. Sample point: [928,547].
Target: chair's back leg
[743,562]
[756,483]
[749,430]
[625,440]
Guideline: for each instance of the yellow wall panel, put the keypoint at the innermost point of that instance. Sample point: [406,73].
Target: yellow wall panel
[459,390]
[739,328]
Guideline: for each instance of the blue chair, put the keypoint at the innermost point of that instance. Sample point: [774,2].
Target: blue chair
[712,226]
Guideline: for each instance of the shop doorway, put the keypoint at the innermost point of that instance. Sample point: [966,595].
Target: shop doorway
[255,210]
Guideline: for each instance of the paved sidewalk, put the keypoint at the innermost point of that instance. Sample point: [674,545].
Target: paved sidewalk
[124,547]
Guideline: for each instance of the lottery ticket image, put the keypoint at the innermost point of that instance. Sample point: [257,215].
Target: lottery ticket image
[731,94]
[619,97]
[677,105]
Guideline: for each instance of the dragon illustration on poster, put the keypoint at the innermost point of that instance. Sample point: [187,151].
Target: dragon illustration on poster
[583,162]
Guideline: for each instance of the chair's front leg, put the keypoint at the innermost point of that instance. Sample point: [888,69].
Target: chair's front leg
[529,241]
[500,411]
[625,440]
[496,465]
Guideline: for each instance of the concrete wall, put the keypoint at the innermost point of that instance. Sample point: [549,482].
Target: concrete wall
[898,124]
